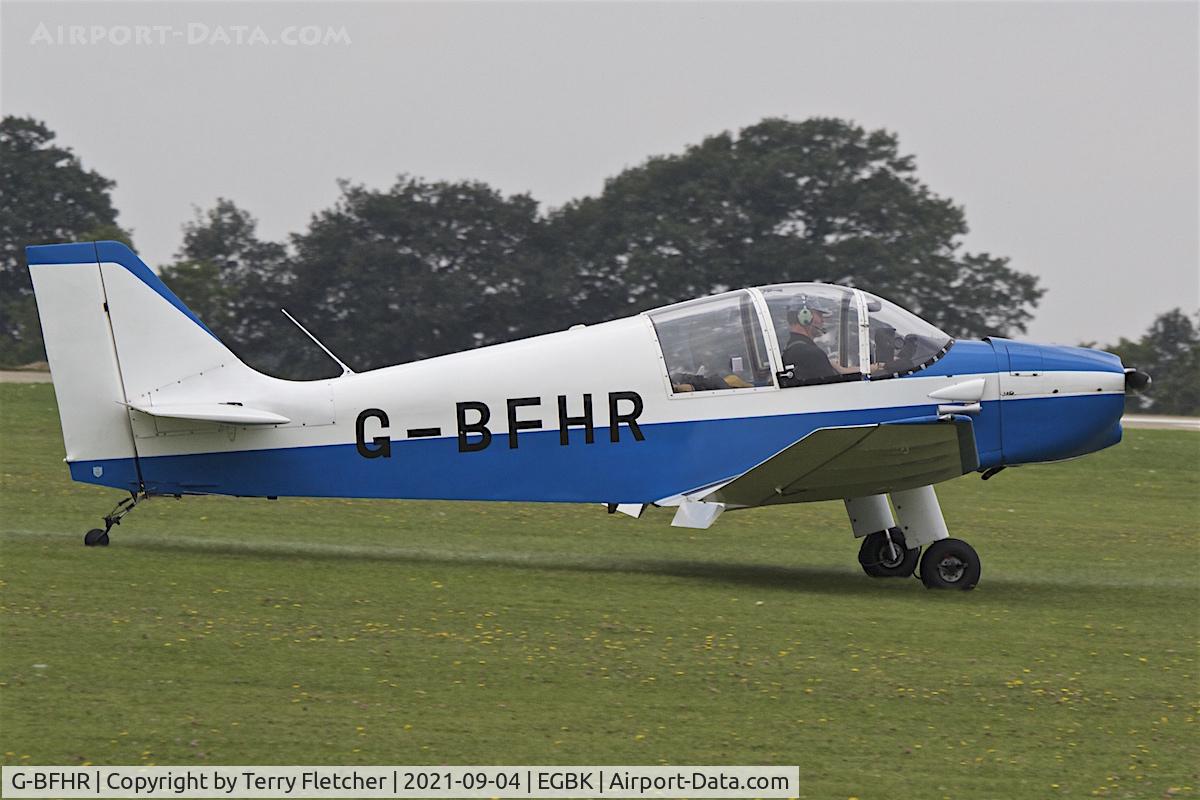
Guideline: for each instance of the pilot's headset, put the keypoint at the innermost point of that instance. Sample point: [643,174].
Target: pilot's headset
[801,312]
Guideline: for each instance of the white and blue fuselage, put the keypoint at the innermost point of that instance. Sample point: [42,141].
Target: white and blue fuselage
[592,414]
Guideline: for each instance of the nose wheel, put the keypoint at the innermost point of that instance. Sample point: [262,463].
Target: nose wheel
[950,564]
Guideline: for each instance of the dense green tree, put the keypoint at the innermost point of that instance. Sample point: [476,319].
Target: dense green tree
[46,196]
[821,200]
[419,270]
[1170,352]
[425,268]
[384,277]
[237,284]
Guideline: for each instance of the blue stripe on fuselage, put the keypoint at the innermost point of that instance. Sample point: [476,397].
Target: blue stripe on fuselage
[674,457]
[119,473]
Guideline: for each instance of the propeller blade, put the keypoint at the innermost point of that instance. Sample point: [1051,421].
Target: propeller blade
[1136,380]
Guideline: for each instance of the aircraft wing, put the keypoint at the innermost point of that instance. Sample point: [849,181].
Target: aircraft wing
[856,461]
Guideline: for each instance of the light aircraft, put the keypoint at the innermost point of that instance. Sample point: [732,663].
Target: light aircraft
[790,393]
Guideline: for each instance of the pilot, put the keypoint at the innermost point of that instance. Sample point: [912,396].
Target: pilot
[806,321]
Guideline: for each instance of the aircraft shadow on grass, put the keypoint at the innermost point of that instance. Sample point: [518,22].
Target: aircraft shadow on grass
[793,579]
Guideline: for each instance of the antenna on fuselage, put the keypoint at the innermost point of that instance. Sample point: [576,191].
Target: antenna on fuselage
[345,370]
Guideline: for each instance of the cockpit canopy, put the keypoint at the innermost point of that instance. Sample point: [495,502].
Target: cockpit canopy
[714,343]
[796,334]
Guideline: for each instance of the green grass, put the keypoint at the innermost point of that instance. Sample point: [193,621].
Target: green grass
[230,631]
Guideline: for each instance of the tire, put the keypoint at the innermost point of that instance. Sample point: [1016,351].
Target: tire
[876,557]
[950,564]
[95,538]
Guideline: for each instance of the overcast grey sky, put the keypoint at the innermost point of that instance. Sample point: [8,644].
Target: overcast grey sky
[1068,131]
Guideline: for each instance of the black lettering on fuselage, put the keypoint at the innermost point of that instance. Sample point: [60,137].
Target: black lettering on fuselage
[615,418]
[465,445]
[565,422]
[476,436]
[516,425]
[423,433]
[382,445]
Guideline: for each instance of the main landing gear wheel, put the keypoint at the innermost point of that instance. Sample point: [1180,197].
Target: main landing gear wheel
[883,559]
[950,564]
[96,538]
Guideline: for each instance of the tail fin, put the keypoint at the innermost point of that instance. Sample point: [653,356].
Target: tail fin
[114,335]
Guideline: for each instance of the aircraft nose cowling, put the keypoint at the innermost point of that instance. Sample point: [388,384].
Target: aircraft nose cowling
[1060,402]
[1057,357]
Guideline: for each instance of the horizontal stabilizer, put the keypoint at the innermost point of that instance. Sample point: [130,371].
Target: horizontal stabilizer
[857,461]
[222,413]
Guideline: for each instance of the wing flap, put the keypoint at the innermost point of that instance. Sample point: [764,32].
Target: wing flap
[854,461]
[221,413]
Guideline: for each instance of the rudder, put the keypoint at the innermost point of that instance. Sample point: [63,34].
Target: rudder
[114,334]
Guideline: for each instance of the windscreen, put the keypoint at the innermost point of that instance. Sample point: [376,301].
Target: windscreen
[901,342]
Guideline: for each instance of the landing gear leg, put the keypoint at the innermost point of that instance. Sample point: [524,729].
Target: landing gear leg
[99,538]
[947,563]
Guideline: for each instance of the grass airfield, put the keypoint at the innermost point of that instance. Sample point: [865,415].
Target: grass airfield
[237,631]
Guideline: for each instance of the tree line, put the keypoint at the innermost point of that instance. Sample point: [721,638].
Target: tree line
[423,268]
